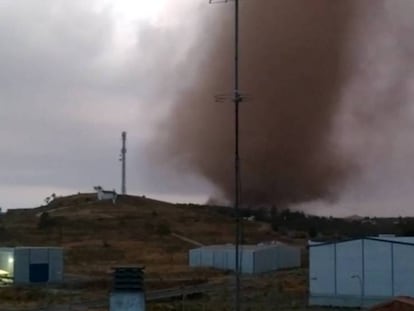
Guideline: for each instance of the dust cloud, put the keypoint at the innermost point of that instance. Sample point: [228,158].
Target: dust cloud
[292,69]
[295,65]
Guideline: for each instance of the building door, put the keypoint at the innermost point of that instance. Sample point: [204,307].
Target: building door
[39,272]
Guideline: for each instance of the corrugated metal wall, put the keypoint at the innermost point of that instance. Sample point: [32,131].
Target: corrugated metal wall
[360,272]
[56,265]
[403,276]
[21,265]
[30,262]
[253,259]
[322,270]
[220,258]
[288,257]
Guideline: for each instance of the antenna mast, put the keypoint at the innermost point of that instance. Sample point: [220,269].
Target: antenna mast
[123,160]
[236,98]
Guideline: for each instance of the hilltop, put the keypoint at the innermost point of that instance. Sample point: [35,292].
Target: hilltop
[136,230]
[97,235]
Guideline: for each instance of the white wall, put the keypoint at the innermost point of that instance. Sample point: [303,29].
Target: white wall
[194,257]
[55,265]
[252,259]
[339,274]
[21,265]
[24,256]
[276,257]
[288,257]
[105,195]
[403,270]
[264,260]
[322,270]
[349,268]
[378,268]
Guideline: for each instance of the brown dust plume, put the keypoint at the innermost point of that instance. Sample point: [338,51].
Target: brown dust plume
[292,67]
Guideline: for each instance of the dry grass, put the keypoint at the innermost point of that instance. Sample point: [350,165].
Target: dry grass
[98,235]
[136,231]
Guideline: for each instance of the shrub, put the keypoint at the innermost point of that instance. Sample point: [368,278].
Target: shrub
[163,229]
[45,221]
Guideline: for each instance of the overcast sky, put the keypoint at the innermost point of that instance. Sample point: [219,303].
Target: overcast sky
[75,74]
[376,124]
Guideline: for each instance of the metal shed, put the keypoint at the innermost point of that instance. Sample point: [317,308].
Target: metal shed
[360,272]
[25,265]
[253,258]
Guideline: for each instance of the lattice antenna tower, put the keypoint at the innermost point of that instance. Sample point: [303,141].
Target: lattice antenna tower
[123,161]
[236,98]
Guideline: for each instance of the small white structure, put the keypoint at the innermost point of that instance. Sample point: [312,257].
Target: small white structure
[254,259]
[360,272]
[102,194]
[26,265]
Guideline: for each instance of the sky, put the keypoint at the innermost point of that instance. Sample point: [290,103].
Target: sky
[376,124]
[74,75]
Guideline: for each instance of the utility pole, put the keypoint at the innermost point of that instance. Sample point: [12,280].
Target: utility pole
[123,161]
[236,98]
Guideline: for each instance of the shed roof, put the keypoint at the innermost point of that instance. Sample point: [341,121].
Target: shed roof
[242,247]
[38,247]
[11,249]
[394,240]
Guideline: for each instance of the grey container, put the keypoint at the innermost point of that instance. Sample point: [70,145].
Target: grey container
[38,265]
[253,259]
[360,272]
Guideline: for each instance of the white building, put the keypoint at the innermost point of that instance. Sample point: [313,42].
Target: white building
[360,272]
[102,194]
[25,265]
[253,258]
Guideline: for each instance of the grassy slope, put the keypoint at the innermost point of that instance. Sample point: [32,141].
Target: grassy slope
[99,235]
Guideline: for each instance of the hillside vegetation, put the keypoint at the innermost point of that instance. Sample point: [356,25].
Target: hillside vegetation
[98,235]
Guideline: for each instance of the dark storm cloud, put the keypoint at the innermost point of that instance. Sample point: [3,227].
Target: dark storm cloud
[68,87]
[293,65]
[331,84]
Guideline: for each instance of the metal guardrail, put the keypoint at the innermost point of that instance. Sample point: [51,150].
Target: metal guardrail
[154,295]
[179,292]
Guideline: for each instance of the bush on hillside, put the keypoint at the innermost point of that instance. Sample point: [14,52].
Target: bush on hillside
[45,221]
[163,229]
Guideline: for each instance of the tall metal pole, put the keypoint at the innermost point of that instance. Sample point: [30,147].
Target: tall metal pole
[123,160]
[237,100]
